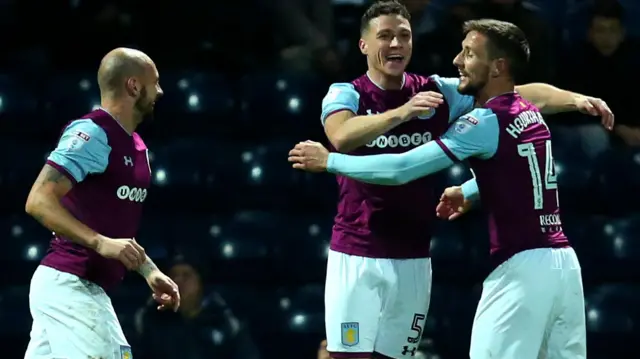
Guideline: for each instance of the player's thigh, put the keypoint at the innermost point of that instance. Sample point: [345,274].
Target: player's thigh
[567,334]
[352,305]
[406,307]
[38,347]
[514,308]
[69,315]
[120,345]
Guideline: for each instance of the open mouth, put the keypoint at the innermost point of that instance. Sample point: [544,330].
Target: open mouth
[463,76]
[395,59]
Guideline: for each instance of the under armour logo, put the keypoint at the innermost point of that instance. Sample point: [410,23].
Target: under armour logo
[405,350]
[128,161]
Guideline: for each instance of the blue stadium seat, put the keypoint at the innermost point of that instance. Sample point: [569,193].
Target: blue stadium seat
[17,99]
[154,235]
[612,309]
[196,231]
[572,174]
[476,226]
[620,179]
[21,170]
[292,102]
[266,308]
[447,243]
[71,95]
[456,175]
[189,162]
[201,93]
[266,165]
[126,300]
[307,311]
[249,235]
[451,315]
[586,235]
[26,240]
[239,248]
[14,302]
[306,246]
[621,236]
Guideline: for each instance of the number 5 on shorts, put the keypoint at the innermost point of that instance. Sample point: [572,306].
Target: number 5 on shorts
[417,327]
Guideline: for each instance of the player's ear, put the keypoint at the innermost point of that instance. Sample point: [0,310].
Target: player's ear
[133,87]
[363,46]
[498,67]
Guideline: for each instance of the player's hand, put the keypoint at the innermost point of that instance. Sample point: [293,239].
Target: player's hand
[322,351]
[596,107]
[422,104]
[126,250]
[309,156]
[165,291]
[452,204]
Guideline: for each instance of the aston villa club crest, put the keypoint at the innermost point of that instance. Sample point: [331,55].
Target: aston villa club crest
[350,334]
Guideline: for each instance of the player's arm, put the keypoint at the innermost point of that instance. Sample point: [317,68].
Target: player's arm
[550,99]
[474,134]
[390,169]
[345,130]
[82,150]
[470,190]
[459,104]
[147,268]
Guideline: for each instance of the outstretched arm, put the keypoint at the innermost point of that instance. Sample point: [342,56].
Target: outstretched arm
[391,169]
[550,99]
[465,138]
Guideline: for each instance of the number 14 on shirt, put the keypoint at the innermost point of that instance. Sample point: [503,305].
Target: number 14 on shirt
[528,150]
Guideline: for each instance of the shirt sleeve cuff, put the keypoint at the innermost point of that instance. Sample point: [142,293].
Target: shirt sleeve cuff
[470,190]
[62,170]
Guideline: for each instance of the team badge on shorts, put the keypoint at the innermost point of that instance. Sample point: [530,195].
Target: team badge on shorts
[350,333]
[125,352]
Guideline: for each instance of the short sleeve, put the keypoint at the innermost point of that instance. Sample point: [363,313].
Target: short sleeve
[459,104]
[83,149]
[341,96]
[475,134]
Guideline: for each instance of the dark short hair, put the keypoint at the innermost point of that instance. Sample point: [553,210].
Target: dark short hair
[608,10]
[504,40]
[383,7]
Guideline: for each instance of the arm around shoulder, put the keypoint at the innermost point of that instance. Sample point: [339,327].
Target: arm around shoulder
[344,128]
[550,99]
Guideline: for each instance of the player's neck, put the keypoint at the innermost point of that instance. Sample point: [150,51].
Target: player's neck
[494,89]
[386,82]
[122,113]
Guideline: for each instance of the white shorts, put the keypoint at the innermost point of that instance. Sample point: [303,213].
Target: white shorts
[375,305]
[72,318]
[532,307]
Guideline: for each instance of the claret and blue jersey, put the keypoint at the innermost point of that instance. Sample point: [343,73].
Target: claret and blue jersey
[109,168]
[508,146]
[368,214]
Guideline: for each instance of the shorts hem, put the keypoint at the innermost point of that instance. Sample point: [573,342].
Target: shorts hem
[349,355]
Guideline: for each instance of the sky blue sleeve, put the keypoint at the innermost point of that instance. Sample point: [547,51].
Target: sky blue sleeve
[341,96]
[470,190]
[459,104]
[391,169]
[83,149]
[475,134]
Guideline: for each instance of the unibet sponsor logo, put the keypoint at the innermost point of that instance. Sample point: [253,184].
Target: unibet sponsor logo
[410,140]
[132,193]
